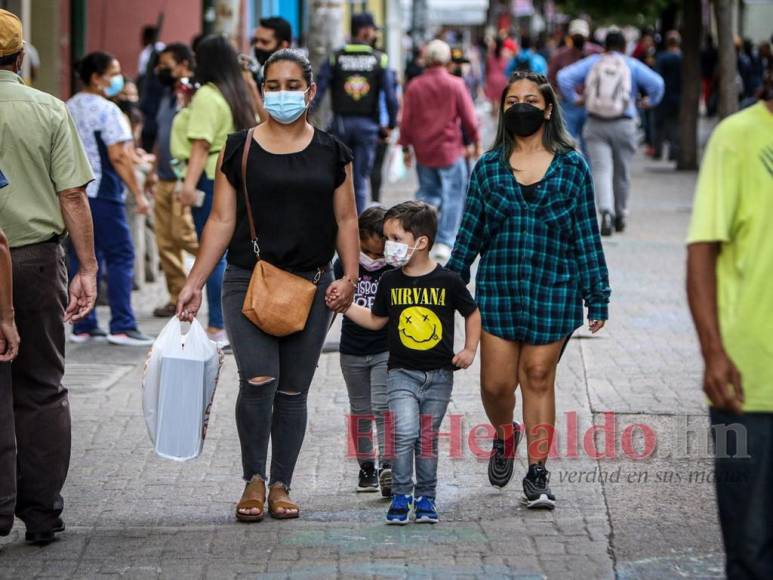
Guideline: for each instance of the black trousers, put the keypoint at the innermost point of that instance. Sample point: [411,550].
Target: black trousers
[666,130]
[376,175]
[744,483]
[34,409]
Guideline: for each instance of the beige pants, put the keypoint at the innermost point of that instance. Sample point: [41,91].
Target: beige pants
[174,235]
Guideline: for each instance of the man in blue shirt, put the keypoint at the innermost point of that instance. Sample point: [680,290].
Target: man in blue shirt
[357,75]
[610,131]
[527,59]
[668,64]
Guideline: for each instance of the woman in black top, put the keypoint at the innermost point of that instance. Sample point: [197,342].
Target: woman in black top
[299,180]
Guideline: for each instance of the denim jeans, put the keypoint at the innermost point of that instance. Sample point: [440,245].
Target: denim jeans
[446,189]
[744,483]
[360,134]
[418,401]
[215,281]
[366,378]
[275,406]
[574,119]
[115,249]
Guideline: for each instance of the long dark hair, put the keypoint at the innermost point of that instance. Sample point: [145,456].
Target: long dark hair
[555,137]
[218,63]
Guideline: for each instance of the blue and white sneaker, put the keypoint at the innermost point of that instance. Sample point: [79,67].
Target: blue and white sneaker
[426,512]
[400,510]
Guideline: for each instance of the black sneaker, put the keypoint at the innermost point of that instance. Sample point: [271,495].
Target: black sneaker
[619,224]
[536,491]
[606,224]
[500,465]
[385,480]
[44,538]
[368,478]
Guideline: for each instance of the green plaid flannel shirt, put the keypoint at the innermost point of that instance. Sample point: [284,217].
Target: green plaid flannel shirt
[539,259]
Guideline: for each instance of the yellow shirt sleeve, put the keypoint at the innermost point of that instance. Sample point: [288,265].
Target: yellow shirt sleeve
[717,193]
[206,116]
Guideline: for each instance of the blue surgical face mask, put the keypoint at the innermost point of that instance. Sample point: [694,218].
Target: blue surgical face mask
[285,106]
[115,86]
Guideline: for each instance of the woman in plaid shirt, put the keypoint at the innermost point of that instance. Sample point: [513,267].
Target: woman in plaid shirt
[531,217]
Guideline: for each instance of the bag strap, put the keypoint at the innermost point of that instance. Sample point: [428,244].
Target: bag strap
[247,204]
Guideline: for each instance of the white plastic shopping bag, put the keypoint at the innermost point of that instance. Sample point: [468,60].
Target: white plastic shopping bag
[179,384]
[396,169]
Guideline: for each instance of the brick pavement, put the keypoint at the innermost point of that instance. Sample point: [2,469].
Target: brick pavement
[132,515]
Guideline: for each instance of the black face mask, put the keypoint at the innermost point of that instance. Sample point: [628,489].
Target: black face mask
[165,77]
[524,119]
[262,55]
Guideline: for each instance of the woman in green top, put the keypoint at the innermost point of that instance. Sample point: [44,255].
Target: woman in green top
[220,106]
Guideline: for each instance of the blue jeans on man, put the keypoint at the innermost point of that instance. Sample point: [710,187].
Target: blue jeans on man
[446,189]
[360,134]
[417,402]
[574,119]
[114,247]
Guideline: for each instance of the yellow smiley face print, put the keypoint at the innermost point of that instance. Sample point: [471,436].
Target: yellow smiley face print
[420,328]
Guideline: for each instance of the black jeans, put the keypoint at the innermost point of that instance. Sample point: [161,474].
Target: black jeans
[666,130]
[34,410]
[744,482]
[273,407]
[376,175]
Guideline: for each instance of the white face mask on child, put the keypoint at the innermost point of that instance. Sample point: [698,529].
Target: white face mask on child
[397,254]
[371,264]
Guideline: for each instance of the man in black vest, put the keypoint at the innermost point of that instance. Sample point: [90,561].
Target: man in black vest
[357,76]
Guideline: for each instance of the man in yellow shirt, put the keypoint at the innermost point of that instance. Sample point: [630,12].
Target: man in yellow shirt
[730,290]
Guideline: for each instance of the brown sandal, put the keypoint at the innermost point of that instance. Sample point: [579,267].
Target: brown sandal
[254,497]
[278,498]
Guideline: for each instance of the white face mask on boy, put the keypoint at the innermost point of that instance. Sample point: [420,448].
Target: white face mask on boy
[398,254]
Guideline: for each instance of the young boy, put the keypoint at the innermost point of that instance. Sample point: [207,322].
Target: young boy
[364,355]
[417,303]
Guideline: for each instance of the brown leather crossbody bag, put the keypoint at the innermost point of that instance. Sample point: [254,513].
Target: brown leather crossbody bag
[278,302]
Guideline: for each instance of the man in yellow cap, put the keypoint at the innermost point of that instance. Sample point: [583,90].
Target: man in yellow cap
[43,173]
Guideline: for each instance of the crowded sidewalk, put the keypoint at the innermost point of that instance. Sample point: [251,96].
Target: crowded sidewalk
[133,515]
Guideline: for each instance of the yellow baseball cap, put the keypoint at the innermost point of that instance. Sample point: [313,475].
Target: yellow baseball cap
[11,40]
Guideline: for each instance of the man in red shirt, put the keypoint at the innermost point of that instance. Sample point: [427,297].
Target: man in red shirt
[579,47]
[436,110]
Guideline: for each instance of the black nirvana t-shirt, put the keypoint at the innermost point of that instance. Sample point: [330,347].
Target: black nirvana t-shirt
[421,317]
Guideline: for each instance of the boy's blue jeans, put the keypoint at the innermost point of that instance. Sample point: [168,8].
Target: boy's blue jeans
[417,401]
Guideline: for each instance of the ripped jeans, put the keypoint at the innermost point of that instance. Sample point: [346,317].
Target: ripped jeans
[274,379]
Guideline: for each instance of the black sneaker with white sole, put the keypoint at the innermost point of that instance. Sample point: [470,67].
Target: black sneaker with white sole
[536,490]
[385,480]
[500,465]
[368,480]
